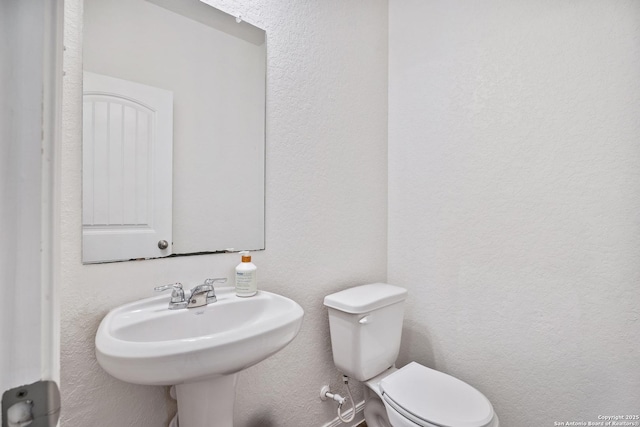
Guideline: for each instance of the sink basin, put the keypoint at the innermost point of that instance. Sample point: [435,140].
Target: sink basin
[144,342]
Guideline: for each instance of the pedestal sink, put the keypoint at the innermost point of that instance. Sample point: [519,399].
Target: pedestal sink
[200,350]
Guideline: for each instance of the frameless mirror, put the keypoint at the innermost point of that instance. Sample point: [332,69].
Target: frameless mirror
[173,130]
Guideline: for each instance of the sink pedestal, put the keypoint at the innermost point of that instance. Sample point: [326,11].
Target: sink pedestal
[208,402]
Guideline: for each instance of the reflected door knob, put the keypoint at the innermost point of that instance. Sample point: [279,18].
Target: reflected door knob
[163,244]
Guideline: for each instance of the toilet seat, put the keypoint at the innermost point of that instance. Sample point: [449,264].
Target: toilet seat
[432,398]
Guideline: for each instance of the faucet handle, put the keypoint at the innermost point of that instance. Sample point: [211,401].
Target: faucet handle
[216,280]
[177,293]
[167,287]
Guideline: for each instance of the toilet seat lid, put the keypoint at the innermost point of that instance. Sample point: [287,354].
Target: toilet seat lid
[420,393]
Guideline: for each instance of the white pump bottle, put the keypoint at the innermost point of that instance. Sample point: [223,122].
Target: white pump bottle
[246,276]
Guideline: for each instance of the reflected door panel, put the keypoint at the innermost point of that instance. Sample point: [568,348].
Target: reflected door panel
[127,169]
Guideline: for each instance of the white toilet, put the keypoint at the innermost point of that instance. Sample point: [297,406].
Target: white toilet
[366,325]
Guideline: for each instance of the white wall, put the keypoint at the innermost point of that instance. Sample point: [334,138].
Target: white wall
[325,214]
[514,199]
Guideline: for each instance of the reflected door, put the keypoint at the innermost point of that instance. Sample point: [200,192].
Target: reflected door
[127,169]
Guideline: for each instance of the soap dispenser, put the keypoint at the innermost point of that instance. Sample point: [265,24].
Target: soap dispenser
[246,276]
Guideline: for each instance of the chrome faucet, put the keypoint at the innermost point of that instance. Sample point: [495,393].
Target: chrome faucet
[198,296]
[203,294]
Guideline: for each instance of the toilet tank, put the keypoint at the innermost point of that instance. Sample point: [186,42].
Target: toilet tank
[366,326]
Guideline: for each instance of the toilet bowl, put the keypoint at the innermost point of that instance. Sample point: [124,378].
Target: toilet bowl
[365,324]
[417,396]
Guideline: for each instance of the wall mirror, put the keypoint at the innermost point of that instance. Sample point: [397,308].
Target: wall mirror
[173,130]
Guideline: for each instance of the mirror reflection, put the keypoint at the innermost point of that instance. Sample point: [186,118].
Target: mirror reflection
[173,130]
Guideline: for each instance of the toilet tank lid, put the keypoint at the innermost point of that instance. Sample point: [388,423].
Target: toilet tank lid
[365,298]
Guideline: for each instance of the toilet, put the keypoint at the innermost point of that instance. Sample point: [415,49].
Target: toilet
[366,326]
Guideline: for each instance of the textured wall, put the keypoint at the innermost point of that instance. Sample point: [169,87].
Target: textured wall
[514,193]
[325,214]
